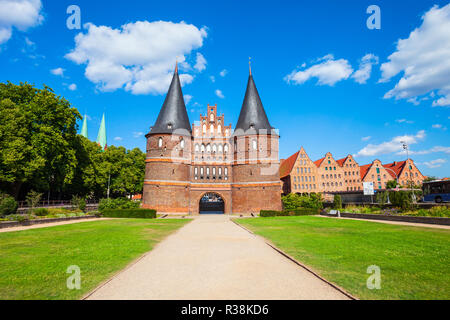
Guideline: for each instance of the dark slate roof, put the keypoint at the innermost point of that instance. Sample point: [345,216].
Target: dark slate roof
[173,115]
[253,118]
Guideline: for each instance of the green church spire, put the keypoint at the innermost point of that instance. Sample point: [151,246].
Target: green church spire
[84,129]
[101,138]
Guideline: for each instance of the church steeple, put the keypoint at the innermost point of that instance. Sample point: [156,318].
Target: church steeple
[173,115]
[253,116]
[84,129]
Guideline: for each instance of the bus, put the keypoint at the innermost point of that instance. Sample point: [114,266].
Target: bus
[436,191]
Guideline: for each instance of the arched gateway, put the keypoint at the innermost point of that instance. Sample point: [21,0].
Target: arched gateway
[207,167]
[211,203]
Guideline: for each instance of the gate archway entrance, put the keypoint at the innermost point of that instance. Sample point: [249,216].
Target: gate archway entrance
[212,203]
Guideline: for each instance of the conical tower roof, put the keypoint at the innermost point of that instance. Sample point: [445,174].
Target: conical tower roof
[253,117]
[173,115]
[84,129]
[101,138]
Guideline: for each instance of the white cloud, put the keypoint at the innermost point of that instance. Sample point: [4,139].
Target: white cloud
[219,94]
[223,73]
[138,57]
[436,149]
[137,134]
[404,121]
[200,65]
[29,42]
[366,138]
[57,72]
[423,59]
[328,72]
[73,87]
[212,78]
[395,145]
[19,14]
[187,98]
[435,163]
[118,139]
[438,126]
[365,68]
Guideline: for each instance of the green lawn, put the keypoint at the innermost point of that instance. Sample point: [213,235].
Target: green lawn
[33,263]
[414,261]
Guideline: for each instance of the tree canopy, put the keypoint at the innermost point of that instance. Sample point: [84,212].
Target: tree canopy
[40,149]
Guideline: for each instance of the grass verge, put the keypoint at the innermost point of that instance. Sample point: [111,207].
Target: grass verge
[33,263]
[413,261]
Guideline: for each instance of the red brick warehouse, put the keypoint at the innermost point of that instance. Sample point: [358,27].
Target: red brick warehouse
[191,169]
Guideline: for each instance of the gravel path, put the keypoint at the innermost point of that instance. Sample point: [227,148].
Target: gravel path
[213,258]
[46,225]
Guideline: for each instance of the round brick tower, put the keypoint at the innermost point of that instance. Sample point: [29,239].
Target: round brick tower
[167,172]
[256,182]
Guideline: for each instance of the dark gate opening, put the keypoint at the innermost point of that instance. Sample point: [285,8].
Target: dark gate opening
[212,203]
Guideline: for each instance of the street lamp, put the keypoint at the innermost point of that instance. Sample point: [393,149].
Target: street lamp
[406,147]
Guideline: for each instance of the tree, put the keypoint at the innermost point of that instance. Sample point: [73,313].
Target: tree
[33,199]
[392,184]
[37,137]
[337,203]
[429,179]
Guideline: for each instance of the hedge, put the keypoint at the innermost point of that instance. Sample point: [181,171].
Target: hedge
[130,213]
[290,213]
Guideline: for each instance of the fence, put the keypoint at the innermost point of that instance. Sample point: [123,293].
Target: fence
[54,203]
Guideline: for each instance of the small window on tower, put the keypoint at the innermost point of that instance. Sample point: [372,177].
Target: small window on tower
[255,145]
[160,143]
[182,144]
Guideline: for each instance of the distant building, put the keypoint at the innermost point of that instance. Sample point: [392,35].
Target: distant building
[301,175]
[352,176]
[376,173]
[406,172]
[330,174]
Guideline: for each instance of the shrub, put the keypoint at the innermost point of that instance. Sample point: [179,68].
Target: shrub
[289,213]
[402,199]
[33,198]
[119,203]
[8,205]
[295,201]
[41,212]
[130,213]
[337,203]
[268,213]
[382,198]
[18,217]
[79,203]
[60,216]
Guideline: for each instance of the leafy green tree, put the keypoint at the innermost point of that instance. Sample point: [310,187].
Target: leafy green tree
[37,136]
[33,198]
[337,203]
[392,184]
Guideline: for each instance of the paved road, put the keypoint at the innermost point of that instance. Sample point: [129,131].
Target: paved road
[212,258]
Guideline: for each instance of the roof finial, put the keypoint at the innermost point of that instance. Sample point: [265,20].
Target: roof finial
[176,65]
[250,64]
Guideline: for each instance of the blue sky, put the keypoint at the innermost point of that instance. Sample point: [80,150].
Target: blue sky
[305,60]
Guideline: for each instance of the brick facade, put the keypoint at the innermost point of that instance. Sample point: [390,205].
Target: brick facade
[299,174]
[184,166]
